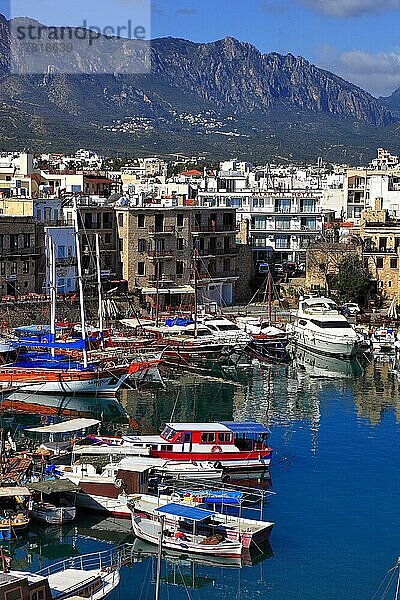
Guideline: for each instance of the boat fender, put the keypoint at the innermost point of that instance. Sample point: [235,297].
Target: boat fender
[118,483]
[216,449]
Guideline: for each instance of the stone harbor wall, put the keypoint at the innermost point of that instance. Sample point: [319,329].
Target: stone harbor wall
[16,314]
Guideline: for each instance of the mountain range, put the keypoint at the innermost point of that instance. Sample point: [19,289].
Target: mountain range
[215,99]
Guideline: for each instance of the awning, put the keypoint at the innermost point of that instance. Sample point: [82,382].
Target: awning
[246,427]
[65,426]
[54,486]
[183,289]
[152,291]
[186,512]
[7,492]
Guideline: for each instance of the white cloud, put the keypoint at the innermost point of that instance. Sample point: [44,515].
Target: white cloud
[378,73]
[352,8]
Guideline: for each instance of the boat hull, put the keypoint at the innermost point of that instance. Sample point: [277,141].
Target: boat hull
[54,515]
[151,534]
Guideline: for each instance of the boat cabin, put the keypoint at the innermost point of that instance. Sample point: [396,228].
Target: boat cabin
[215,437]
[23,586]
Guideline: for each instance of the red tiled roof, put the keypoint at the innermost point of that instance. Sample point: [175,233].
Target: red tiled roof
[192,173]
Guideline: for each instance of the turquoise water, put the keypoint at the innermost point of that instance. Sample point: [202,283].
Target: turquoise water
[335,473]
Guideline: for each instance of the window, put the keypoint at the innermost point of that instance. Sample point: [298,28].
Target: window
[14,268]
[259,222]
[121,244]
[69,217]
[331,324]
[60,251]
[141,245]
[393,263]
[160,245]
[141,269]
[224,437]
[179,243]
[389,284]
[179,267]
[379,263]
[207,436]
[25,266]
[27,240]
[120,220]
[38,595]
[2,268]
[140,221]
[13,243]
[227,264]
[282,222]
[15,594]
[107,238]
[282,242]
[179,220]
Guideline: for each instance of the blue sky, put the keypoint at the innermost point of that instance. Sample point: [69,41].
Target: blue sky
[357,39]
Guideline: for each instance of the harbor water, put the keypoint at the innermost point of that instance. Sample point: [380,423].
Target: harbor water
[336,438]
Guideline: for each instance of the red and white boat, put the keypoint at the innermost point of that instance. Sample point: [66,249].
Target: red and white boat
[233,445]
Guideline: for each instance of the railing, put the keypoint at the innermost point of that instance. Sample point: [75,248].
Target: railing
[217,251]
[219,275]
[214,228]
[164,229]
[161,253]
[116,557]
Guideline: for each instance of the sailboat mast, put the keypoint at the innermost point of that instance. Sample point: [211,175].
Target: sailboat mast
[80,281]
[157,292]
[159,557]
[195,293]
[53,291]
[398,580]
[269,299]
[100,291]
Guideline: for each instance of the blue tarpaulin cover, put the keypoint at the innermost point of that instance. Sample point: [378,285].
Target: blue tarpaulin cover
[186,512]
[246,427]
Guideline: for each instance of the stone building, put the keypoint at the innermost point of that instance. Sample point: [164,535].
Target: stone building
[21,256]
[381,239]
[323,260]
[96,216]
[158,244]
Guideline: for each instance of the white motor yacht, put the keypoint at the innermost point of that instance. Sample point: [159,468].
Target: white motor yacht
[319,327]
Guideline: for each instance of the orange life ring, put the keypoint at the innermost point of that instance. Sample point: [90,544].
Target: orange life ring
[216,449]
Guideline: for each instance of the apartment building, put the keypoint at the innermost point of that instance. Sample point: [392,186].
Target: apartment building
[158,245]
[96,216]
[21,254]
[381,237]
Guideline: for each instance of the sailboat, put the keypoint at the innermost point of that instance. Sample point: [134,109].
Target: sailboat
[267,340]
[390,581]
[46,364]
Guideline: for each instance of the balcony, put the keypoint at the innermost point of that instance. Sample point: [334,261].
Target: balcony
[218,251]
[212,228]
[166,229]
[217,275]
[155,254]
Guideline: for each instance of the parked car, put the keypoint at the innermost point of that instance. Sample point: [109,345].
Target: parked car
[351,308]
[278,269]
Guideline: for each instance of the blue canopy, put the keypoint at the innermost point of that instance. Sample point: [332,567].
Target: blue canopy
[186,512]
[246,427]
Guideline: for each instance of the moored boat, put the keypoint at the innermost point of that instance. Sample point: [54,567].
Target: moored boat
[231,445]
[174,538]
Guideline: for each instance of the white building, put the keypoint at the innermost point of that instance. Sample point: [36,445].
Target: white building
[63,239]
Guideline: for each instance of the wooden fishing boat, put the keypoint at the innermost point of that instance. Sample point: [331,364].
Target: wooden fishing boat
[54,515]
[174,538]
[13,513]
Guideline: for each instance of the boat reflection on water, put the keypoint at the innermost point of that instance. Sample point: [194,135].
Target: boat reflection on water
[249,557]
[318,365]
[104,408]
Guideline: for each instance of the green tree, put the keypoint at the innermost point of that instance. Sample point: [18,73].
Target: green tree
[353,280]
